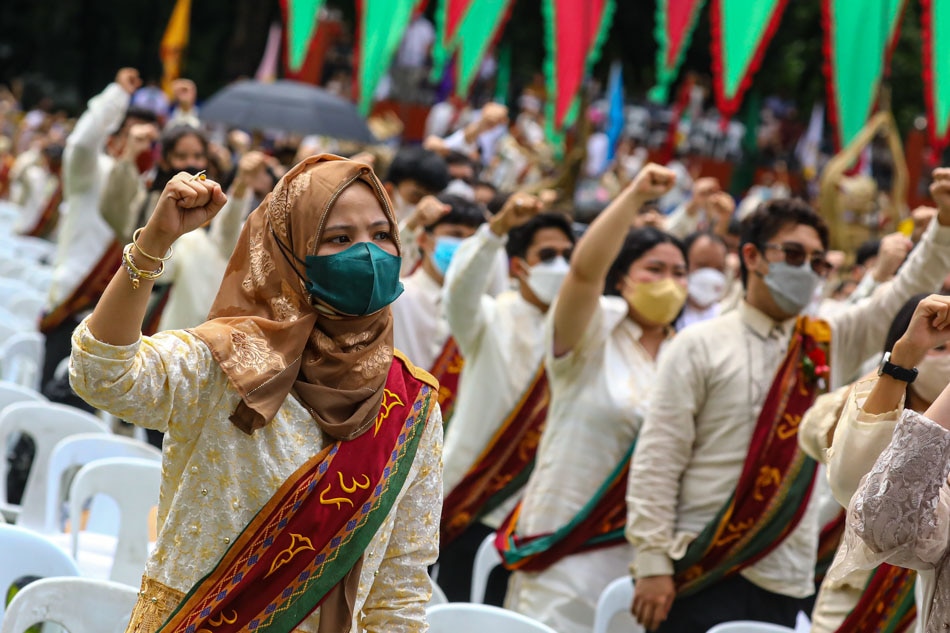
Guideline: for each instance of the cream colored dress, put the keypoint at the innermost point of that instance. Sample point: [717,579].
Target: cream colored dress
[215,477]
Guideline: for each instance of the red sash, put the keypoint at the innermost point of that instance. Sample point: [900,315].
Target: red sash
[447,369]
[316,526]
[47,221]
[88,292]
[776,481]
[887,604]
[503,467]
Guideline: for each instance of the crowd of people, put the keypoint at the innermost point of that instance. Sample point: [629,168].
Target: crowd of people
[362,368]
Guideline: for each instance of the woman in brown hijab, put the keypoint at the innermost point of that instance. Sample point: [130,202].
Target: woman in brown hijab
[302,481]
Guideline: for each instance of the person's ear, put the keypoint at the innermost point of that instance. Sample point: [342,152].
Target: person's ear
[519,268]
[425,241]
[750,256]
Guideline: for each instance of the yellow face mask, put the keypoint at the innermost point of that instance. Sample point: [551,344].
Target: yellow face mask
[656,301]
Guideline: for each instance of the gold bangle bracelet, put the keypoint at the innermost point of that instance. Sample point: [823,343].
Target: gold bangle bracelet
[136,274]
[135,241]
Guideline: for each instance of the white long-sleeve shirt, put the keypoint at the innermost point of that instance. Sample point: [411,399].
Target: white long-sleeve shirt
[84,235]
[713,380]
[503,343]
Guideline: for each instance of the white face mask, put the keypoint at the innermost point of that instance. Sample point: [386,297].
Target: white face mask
[545,279]
[706,286]
[933,374]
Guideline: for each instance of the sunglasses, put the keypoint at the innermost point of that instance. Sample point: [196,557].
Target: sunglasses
[550,253]
[795,255]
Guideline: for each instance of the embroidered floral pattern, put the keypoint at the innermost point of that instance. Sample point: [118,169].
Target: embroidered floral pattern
[374,364]
[250,352]
[261,264]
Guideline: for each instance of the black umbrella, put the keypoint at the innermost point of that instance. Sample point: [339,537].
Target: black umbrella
[286,105]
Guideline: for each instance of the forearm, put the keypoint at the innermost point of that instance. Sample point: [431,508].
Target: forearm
[117,318]
[466,282]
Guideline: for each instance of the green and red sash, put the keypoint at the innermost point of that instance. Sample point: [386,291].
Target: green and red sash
[600,523]
[447,369]
[316,526]
[828,541]
[88,292]
[47,221]
[503,467]
[776,481]
[887,604]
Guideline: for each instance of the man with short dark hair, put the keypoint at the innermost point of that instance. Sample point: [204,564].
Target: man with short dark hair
[414,174]
[490,442]
[718,497]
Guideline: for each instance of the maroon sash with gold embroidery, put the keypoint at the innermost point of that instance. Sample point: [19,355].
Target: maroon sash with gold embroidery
[776,481]
[828,541]
[447,369]
[887,604]
[47,221]
[316,526]
[89,291]
[503,467]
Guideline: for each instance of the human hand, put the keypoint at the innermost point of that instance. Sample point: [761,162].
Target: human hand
[891,254]
[185,93]
[703,191]
[652,600]
[653,181]
[141,137]
[928,329]
[429,210]
[940,192]
[128,79]
[722,206]
[518,210]
[493,114]
[186,203]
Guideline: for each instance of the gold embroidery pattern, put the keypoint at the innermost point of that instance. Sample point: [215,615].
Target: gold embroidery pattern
[251,353]
[298,543]
[339,501]
[284,309]
[735,532]
[374,364]
[261,264]
[768,477]
[789,426]
[390,400]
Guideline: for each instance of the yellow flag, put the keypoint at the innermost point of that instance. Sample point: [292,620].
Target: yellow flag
[174,43]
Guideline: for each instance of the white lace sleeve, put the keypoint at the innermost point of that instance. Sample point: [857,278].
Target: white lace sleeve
[900,513]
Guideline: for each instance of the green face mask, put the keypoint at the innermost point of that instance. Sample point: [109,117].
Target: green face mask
[361,280]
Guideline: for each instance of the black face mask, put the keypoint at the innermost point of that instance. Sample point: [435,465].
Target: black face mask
[162,176]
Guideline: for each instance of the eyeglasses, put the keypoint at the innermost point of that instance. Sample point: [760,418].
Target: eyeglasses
[548,254]
[795,255]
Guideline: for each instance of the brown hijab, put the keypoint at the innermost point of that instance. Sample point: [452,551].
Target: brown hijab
[271,340]
[267,336]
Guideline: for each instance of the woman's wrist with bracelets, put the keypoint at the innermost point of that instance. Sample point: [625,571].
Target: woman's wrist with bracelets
[140,261]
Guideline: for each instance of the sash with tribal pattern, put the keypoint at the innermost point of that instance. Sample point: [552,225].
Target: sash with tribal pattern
[600,523]
[776,481]
[316,526]
[88,292]
[887,604]
[503,467]
[447,369]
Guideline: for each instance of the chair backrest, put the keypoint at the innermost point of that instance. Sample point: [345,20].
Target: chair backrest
[21,359]
[486,559]
[80,605]
[462,617]
[27,306]
[438,596]
[747,626]
[25,553]
[134,484]
[46,423]
[617,598]
[74,452]
[11,392]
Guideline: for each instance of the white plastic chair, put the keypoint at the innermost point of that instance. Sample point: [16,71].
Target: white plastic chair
[21,359]
[25,553]
[80,605]
[615,600]
[71,454]
[46,423]
[748,626]
[11,392]
[461,617]
[27,307]
[134,485]
[486,559]
[438,596]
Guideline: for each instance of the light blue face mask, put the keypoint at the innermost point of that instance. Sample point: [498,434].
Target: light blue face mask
[444,251]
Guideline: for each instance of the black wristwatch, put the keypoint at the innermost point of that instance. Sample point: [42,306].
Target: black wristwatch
[896,371]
